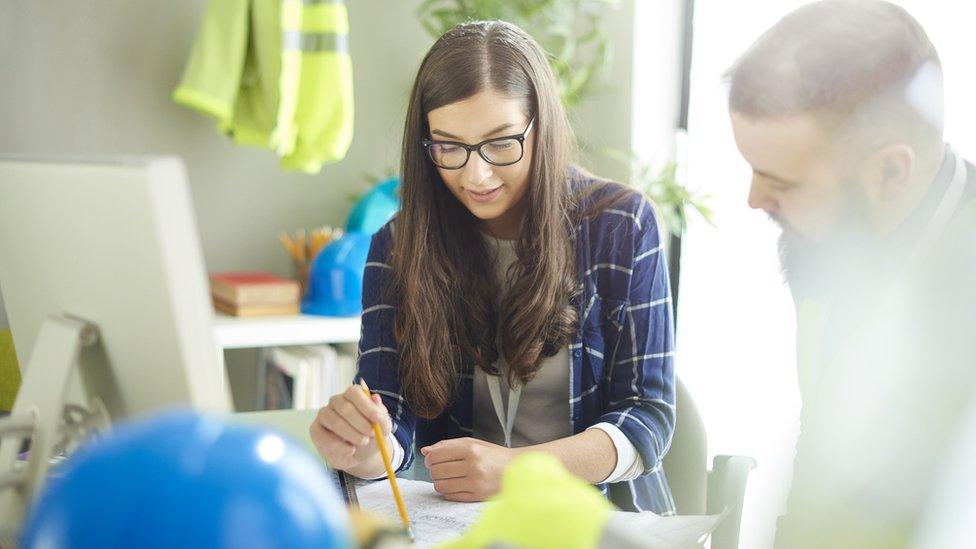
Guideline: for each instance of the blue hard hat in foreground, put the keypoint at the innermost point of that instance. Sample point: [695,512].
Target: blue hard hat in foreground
[185,480]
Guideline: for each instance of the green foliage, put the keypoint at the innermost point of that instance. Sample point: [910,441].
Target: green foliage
[568,30]
[672,199]
[571,33]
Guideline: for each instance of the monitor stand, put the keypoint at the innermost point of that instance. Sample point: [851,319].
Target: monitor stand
[37,414]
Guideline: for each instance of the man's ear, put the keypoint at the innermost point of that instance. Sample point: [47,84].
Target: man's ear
[888,172]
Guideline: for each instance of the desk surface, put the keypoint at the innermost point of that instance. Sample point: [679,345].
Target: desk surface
[625,530]
[293,423]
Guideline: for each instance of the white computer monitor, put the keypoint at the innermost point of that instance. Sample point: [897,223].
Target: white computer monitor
[106,293]
[113,242]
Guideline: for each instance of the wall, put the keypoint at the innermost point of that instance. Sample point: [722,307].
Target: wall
[95,78]
[603,120]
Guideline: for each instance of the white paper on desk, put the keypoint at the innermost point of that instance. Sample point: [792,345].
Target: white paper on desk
[434,519]
[656,532]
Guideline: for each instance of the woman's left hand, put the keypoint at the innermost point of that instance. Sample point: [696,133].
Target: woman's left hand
[467,469]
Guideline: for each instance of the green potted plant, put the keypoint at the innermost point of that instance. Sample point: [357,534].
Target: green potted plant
[569,30]
[673,199]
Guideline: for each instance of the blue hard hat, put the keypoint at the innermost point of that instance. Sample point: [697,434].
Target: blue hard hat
[375,208]
[181,479]
[335,279]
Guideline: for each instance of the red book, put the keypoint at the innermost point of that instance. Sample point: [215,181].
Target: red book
[255,288]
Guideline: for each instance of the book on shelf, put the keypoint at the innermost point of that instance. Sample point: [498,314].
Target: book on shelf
[254,288]
[302,377]
[269,309]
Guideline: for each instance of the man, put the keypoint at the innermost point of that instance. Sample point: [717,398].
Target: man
[838,109]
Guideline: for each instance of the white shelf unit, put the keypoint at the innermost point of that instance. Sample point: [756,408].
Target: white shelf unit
[233,332]
[273,331]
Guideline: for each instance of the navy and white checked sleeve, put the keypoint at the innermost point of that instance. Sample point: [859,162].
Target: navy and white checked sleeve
[378,356]
[641,392]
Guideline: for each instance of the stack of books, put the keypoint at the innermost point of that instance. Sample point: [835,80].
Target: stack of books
[305,377]
[254,294]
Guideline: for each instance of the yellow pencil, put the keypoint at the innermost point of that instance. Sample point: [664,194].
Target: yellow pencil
[378,433]
[300,244]
[288,245]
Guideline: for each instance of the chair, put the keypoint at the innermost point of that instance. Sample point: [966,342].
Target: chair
[695,489]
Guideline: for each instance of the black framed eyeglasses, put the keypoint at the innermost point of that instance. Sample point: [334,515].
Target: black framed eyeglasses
[498,151]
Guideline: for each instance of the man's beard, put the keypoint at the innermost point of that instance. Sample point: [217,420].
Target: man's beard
[803,263]
[836,265]
[796,255]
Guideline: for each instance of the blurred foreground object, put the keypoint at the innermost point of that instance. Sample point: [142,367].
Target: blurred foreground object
[540,505]
[838,109]
[186,480]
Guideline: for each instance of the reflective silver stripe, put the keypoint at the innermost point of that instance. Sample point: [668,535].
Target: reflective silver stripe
[376,308]
[315,41]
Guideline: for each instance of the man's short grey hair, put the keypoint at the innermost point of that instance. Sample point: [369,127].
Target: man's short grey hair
[854,64]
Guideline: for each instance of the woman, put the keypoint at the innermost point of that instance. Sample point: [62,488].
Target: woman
[515,303]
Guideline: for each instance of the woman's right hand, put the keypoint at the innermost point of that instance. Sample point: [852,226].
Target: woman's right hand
[343,430]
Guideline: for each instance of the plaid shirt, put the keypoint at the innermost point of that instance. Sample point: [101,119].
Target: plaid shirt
[621,358]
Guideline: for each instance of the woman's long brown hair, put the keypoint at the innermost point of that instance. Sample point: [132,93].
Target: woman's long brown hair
[446,316]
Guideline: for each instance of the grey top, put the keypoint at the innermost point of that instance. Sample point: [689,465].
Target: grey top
[543,409]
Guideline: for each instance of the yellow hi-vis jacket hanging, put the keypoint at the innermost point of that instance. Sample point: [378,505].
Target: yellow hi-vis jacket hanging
[275,74]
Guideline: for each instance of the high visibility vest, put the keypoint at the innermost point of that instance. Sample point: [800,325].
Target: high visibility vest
[9,370]
[275,74]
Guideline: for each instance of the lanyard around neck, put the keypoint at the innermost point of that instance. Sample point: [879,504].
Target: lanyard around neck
[507,421]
